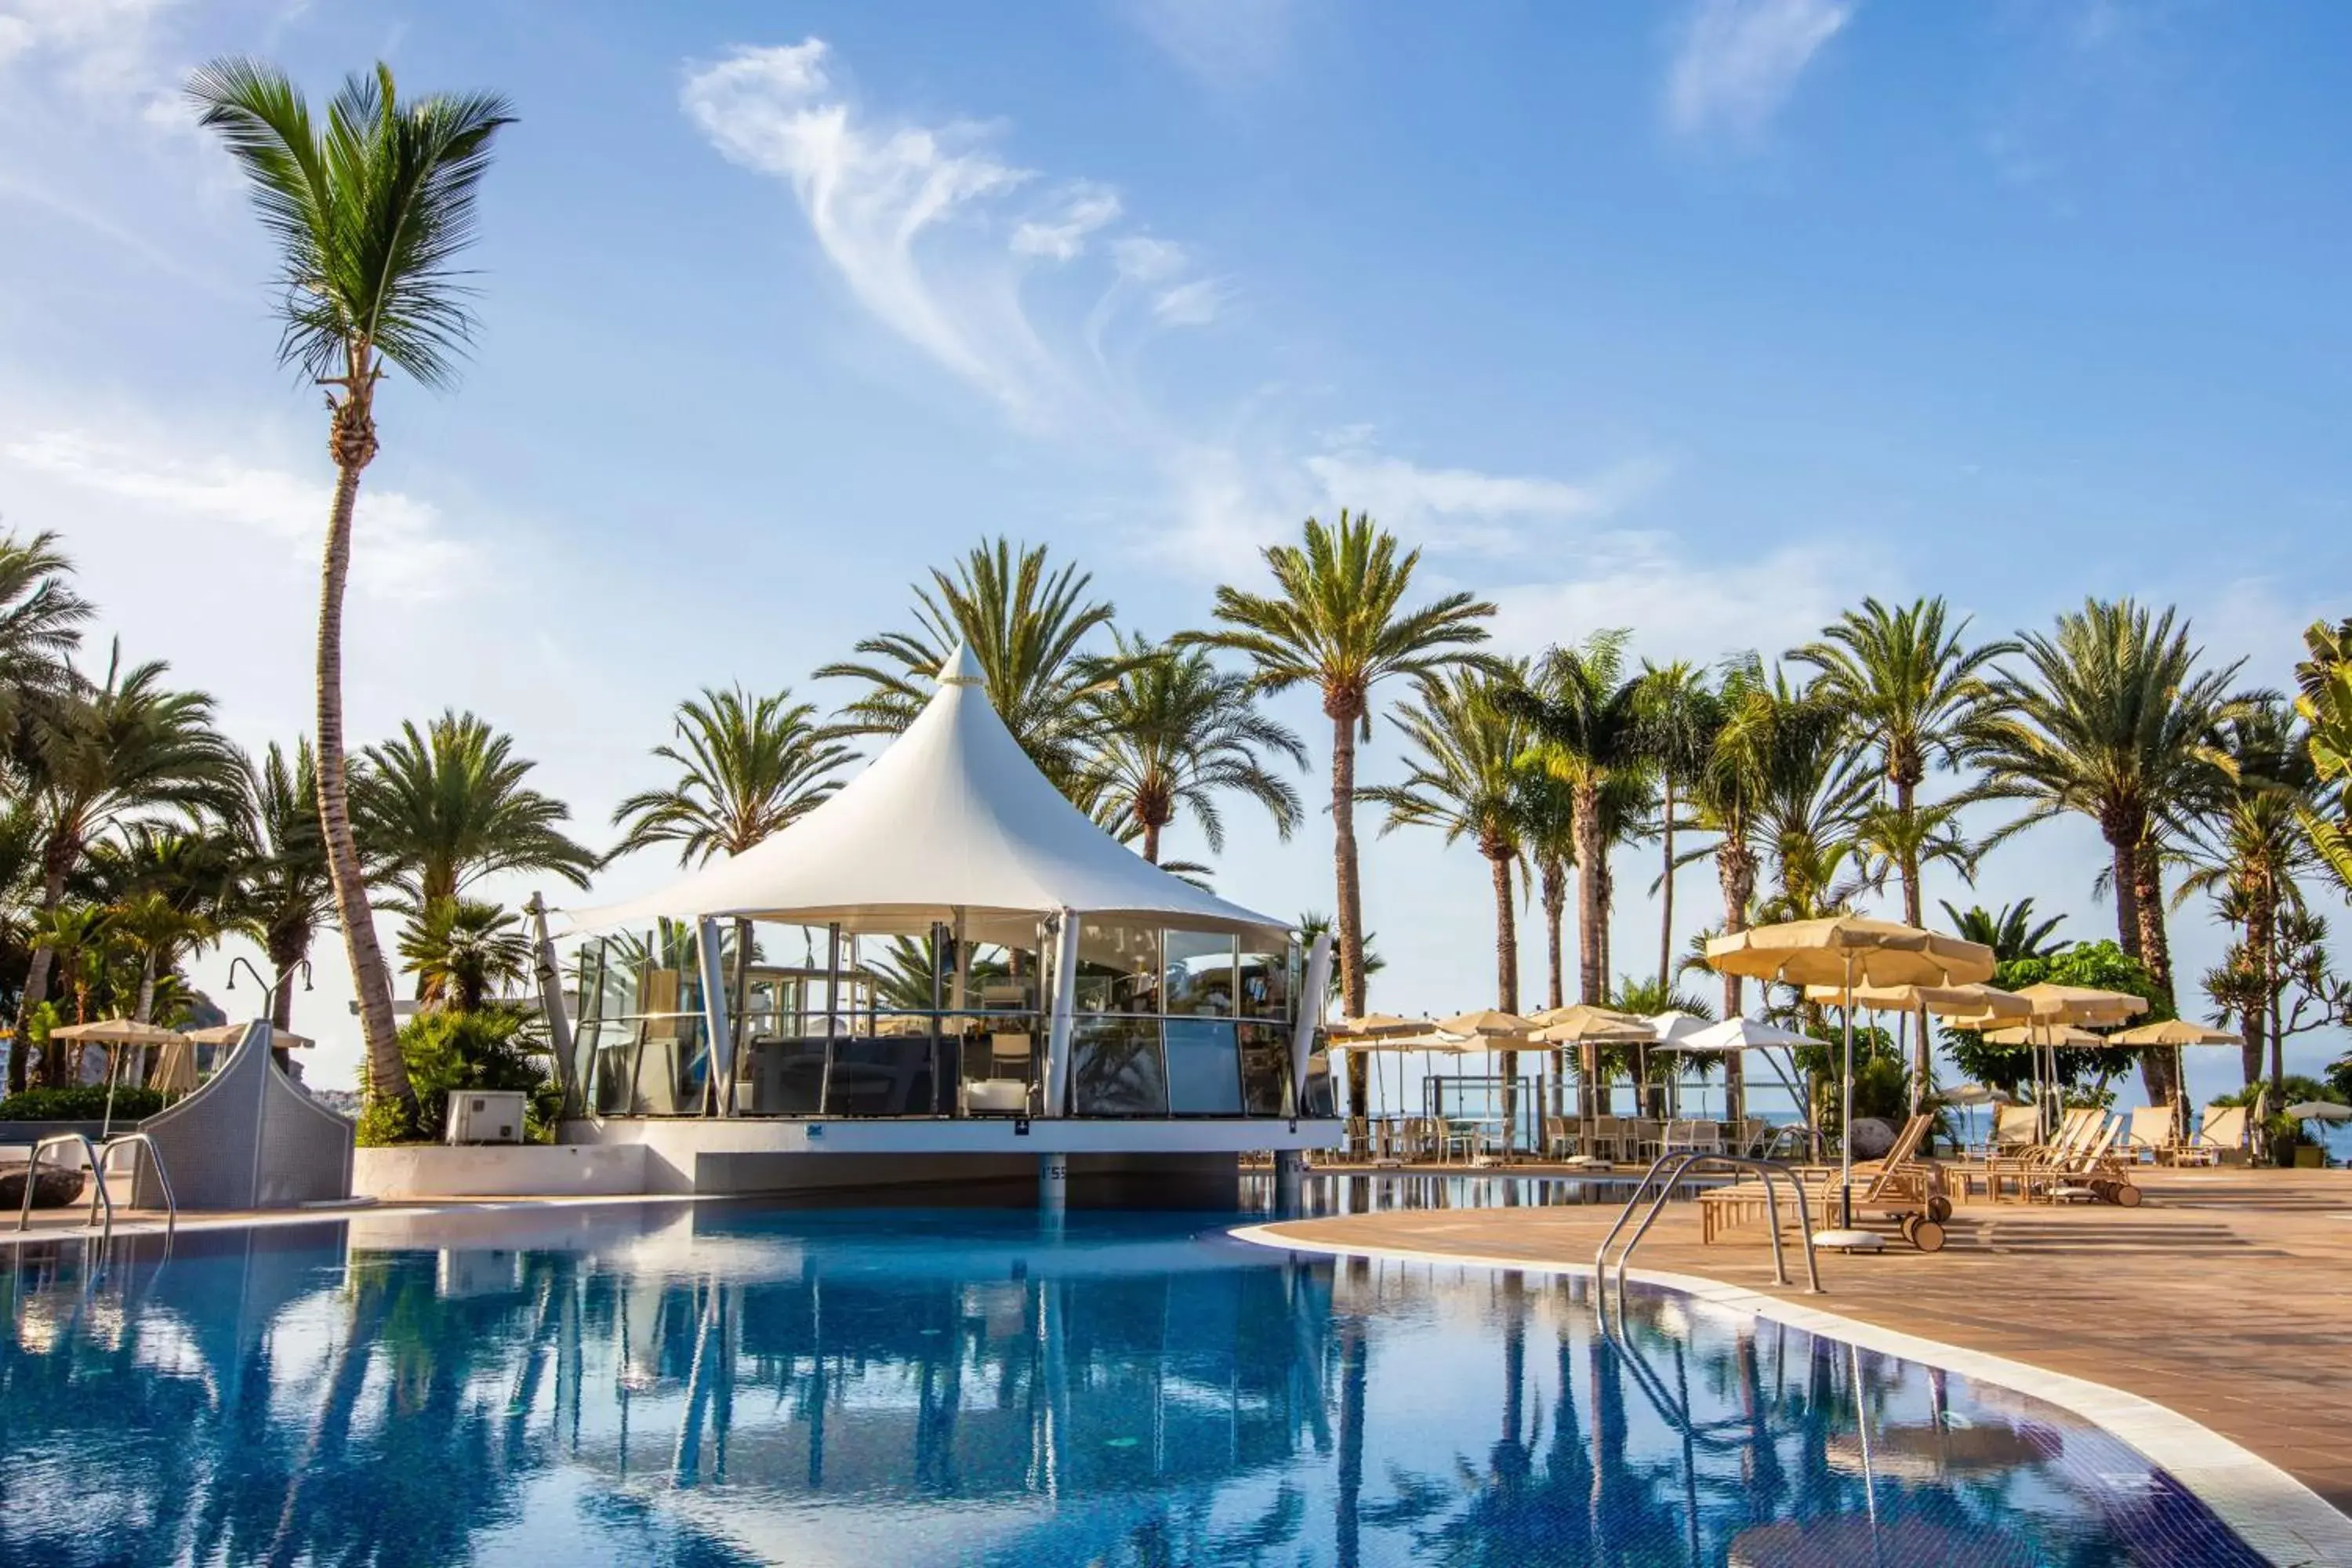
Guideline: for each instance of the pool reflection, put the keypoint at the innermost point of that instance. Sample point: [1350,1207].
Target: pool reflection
[722,1386]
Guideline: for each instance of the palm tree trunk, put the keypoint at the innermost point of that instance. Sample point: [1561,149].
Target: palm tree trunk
[2154,951]
[146,1008]
[1666,888]
[1593,971]
[2126,882]
[1506,988]
[1151,841]
[2259,1023]
[56,859]
[1736,877]
[1350,916]
[387,1075]
[1923,1056]
[1555,903]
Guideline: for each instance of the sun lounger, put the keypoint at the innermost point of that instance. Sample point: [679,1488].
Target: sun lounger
[2156,1134]
[2017,1172]
[2099,1169]
[2221,1134]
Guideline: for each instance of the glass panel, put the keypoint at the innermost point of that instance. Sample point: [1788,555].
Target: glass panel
[1266,1069]
[882,1075]
[1199,974]
[1268,982]
[1115,1068]
[1118,968]
[1203,1076]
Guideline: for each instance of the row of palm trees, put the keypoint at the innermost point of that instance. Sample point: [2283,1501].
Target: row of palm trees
[1847,768]
[133,835]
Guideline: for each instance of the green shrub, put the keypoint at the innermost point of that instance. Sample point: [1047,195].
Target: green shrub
[79,1102]
[449,1049]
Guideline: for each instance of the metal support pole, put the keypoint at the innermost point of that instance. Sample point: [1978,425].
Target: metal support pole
[1066,1000]
[831,1012]
[1310,1010]
[717,1038]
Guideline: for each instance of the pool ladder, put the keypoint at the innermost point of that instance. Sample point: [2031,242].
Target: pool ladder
[101,1202]
[1683,1163]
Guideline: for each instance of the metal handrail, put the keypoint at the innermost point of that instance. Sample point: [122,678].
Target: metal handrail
[98,1182]
[1683,1161]
[138,1141]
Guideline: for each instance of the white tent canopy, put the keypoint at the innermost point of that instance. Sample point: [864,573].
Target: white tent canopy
[952,822]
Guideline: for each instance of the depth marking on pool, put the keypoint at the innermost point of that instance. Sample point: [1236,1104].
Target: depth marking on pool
[2268,1509]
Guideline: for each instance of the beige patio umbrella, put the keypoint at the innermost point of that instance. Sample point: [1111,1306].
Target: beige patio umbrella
[1848,951]
[1373,1026]
[1508,1033]
[2177,1033]
[2055,1004]
[114,1033]
[1426,1040]
[230,1034]
[1588,1029]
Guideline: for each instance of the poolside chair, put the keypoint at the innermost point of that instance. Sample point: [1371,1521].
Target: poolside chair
[1697,1137]
[1356,1144]
[2015,1127]
[2155,1133]
[2016,1170]
[2099,1169]
[2221,1134]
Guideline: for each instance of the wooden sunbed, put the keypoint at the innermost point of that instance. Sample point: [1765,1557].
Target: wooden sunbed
[2221,1135]
[2018,1173]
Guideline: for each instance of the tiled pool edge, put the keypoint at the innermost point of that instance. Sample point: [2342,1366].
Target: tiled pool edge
[2268,1509]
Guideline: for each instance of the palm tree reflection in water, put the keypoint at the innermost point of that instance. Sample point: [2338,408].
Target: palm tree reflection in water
[721,1388]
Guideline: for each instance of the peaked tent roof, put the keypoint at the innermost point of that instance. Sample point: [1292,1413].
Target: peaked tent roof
[953,816]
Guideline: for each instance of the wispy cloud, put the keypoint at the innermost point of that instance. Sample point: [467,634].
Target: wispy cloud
[1737,61]
[1225,43]
[929,228]
[403,552]
[1467,510]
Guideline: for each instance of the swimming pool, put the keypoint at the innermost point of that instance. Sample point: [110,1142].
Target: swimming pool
[715,1385]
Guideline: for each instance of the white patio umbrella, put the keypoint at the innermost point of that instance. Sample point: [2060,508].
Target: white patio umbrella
[2319,1111]
[1754,1035]
[114,1033]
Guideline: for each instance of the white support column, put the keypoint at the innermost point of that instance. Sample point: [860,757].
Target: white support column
[550,976]
[719,1039]
[1066,1001]
[1310,1012]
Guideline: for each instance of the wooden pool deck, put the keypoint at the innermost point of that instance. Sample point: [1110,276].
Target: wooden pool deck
[2226,1296]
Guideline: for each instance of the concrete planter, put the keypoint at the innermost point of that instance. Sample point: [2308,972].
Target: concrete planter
[499,1171]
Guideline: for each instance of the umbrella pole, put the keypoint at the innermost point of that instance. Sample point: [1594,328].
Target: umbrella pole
[1846,1115]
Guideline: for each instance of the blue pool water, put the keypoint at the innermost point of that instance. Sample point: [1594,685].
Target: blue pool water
[719,1386]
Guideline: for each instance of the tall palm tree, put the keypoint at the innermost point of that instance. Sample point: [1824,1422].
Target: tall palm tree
[1338,622]
[748,767]
[1550,836]
[2250,852]
[103,757]
[1582,711]
[1463,777]
[288,890]
[2109,719]
[1026,623]
[1678,717]
[1912,690]
[1174,732]
[370,213]
[439,808]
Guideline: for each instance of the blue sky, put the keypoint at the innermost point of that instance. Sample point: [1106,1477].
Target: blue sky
[1704,318]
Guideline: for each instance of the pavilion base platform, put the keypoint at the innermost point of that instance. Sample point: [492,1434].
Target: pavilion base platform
[1193,1163]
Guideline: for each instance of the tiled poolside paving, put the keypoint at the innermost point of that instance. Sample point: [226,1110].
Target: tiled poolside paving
[2226,1296]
